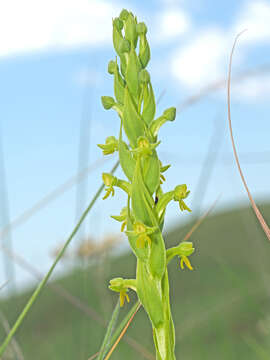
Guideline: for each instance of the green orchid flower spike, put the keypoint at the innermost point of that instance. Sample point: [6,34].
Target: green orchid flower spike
[143,216]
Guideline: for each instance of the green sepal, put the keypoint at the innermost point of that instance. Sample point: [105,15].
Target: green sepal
[132,121]
[119,218]
[149,104]
[149,294]
[164,168]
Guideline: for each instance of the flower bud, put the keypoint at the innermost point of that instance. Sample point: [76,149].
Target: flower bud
[170,114]
[107,102]
[130,29]
[144,77]
[118,23]
[141,28]
[111,67]
[124,15]
[180,192]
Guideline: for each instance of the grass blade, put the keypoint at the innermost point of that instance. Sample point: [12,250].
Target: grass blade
[123,328]
[124,322]
[106,342]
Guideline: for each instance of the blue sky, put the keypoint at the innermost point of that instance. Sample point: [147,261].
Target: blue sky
[53,61]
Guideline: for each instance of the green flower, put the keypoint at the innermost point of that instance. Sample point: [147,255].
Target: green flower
[122,285]
[122,218]
[117,285]
[110,146]
[180,193]
[109,181]
[142,233]
[183,251]
[144,147]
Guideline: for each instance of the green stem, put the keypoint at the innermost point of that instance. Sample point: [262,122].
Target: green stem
[164,334]
[47,276]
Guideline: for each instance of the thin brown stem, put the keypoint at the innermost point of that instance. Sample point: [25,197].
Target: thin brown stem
[256,210]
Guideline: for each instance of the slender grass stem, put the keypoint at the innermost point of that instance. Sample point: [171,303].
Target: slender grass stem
[110,327]
[123,331]
[47,276]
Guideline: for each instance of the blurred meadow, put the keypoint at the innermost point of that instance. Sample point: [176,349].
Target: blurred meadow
[53,71]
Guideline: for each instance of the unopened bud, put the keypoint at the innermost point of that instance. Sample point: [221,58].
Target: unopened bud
[111,67]
[144,77]
[124,15]
[170,114]
[108,102]
[118,24]
[141,28]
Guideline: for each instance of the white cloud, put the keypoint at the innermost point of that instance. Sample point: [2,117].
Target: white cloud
[255,17]
[32,25]
[202,60]
[172,22]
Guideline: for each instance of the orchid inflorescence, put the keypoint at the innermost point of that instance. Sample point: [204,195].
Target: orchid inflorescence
[143,215]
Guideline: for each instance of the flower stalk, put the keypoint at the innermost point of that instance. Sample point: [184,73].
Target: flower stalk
[143,216]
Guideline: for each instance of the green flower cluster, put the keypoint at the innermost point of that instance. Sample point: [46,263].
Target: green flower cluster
[143,215]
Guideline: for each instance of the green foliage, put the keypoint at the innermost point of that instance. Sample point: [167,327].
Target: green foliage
[143,216]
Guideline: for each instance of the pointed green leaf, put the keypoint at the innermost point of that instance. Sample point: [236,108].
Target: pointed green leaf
[151,172]
[132,121]
[132,74]
[149,104]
